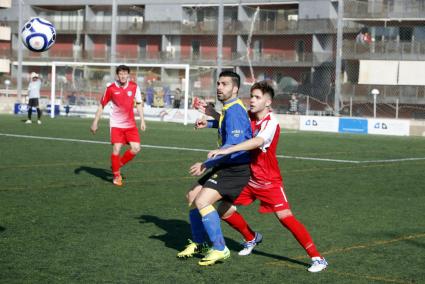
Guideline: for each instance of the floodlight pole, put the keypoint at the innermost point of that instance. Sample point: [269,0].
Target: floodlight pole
[53,90]
[218,106]
[220,37]
[338,56]
[113,37]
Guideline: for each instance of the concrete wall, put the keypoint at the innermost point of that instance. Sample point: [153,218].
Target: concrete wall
[163,13]
[316,9]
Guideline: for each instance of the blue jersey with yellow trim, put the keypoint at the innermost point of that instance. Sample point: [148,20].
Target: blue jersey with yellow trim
[234,127]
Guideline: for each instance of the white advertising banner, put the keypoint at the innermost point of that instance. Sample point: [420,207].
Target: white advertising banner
[378,72]
[411,73]
[319,123]
[397,127]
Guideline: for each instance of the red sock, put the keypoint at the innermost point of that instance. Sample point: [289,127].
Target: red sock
[127,157]
[115,164]
[301,234]
[237,222]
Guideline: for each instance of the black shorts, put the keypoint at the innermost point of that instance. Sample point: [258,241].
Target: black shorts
[33,102]
[227,180]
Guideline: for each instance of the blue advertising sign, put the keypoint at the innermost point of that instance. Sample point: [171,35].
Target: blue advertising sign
[57,110]
[352,125]
[21,109]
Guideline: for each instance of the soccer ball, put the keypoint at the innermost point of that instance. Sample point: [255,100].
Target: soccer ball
[38,34]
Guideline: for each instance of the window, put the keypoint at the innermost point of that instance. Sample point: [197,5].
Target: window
[143,44]
[196,48]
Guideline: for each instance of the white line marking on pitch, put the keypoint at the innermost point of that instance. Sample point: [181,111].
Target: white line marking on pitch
[205,150]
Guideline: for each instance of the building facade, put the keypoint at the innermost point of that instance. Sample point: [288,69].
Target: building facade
[292,43]
[5,36]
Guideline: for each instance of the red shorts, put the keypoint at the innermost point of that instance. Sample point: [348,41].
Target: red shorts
[124,135]
[272,196]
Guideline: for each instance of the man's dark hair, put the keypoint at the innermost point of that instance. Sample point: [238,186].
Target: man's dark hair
[264,87]
[236,79]
[122,68]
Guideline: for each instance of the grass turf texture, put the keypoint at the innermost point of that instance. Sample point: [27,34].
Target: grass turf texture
[62,221]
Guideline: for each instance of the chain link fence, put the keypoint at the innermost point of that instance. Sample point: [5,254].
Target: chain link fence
[266,42]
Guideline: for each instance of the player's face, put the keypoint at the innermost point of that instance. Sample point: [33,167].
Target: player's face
[225,89]
[122,77]
[259,102]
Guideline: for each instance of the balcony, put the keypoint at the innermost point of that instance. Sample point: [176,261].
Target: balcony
[388,93]
[384,50]
[278,59]
[193,28]
[406,9]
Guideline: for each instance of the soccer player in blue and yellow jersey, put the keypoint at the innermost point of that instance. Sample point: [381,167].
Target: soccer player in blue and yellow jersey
[228,174]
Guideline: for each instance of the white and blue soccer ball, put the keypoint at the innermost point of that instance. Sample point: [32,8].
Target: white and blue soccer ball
[38,34]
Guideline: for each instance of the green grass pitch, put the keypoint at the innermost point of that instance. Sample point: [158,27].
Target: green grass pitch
[62,221]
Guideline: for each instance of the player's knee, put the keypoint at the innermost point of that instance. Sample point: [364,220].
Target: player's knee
[200,203]
[135,149]
[116,148]
[283,214]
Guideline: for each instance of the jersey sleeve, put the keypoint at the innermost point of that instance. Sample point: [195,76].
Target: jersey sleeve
[267,132]
[106,97]
[138,97]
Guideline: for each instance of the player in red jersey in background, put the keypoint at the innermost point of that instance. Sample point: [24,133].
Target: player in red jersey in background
[123,93]
[266,181]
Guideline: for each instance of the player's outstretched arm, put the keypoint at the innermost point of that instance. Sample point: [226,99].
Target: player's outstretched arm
[97,116]
[244,146]
[206,108]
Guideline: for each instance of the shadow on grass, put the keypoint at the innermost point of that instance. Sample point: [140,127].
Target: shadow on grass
[2,229]
[280,257]
[97,172]
[177,232]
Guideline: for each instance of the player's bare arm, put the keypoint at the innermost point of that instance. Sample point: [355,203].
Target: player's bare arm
[197,169]
[94,125]
[244,146]
[206,108]
[139,107]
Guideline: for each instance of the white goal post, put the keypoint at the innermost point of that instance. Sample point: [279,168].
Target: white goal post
[184,82]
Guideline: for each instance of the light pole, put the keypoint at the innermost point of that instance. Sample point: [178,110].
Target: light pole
[375,93]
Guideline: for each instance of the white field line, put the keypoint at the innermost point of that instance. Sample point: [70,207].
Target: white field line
[206,150]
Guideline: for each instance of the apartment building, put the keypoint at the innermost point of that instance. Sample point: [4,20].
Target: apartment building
[292,43]
[393,61]
[5,36]
[286,41]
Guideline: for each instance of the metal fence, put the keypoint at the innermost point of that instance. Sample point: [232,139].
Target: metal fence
[297,55]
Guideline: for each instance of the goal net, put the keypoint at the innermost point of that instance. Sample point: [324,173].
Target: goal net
[76,89]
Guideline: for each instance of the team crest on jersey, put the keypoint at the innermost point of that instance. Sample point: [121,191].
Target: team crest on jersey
[129,93]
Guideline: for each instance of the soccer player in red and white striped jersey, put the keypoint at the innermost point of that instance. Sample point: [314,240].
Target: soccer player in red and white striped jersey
[266,181]
[122,94]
